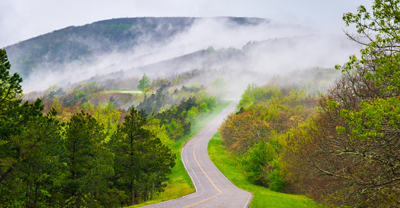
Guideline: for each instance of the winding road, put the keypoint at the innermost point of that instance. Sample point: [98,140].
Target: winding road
[213,189]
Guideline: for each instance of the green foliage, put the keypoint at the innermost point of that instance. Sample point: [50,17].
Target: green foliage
[180,183]
[121,34]
[175,129]
[257,133]
[210,101]
[204,108]
[210,49]
[160,131]
[253,160]
[81,94]
[255,94]
[261,164]
[79,163]
[29,145]
[57,93]
[30,163]
[144,82]
[12,112]
[382,21]
[350,149]
[89,163]
[277,180]
[227,163]
[141,159]
[107,115]
[176,119]
[192,114]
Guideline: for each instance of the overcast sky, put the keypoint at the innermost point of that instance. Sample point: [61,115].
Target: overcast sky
[24,19]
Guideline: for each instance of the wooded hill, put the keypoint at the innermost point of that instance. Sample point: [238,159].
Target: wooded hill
[63,151]
[74,54]
[340,148]
[83,42]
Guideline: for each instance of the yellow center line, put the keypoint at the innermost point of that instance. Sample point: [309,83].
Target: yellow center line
[201,168]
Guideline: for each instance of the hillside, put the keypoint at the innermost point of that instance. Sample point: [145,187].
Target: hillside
[253,49]
[84,42]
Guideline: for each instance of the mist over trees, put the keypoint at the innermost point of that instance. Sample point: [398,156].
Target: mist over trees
[84,43]
[340,148]
[73,43]
[90,160]
[163,46]
[86,146]
[144,82]
[358,122]
[98,143]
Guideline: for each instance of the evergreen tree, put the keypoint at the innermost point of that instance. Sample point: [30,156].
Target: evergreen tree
[140,157]
[144,82]
[30,163]
[13,115]
[29,145]
[89,163]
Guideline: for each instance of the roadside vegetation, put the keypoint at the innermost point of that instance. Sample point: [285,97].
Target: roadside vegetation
[339,148]
[83,148]
[180,183]
[227,163]
[87,145]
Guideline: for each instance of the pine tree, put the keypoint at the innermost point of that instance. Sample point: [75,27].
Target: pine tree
[89,163]
[140,157]
[29,143]
[144,82]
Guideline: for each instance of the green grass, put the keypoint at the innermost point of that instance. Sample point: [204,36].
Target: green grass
[262,197]
[180,183]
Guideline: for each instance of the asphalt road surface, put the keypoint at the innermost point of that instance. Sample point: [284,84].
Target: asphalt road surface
[213,189]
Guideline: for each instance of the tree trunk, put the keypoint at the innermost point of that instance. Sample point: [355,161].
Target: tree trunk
[133,192]
[36,194]
[145,193]
[28,194]
[152,191]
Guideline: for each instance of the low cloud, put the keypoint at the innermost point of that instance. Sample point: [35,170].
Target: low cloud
[268,48]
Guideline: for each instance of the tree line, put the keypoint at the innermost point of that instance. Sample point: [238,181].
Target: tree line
[342,147]
[80,147]
[256,133]
[47,162]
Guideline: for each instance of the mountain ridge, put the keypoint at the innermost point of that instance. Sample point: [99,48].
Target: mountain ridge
[121,34]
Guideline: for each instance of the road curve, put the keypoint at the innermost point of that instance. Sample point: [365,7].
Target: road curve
[213,189]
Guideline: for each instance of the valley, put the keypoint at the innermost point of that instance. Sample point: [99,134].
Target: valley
[193,111]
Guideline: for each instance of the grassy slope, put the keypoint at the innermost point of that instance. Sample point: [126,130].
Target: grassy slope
[263,197]
[181,184]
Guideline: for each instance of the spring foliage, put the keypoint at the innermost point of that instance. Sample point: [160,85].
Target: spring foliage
[256,134]
[78,149]
[353,142]
[343,152]
[76,158]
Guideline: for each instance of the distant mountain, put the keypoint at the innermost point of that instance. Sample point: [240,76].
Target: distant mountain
[271,56]
[254,62]
[254,48]
[82,43]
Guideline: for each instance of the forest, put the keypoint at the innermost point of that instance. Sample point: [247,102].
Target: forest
[329,134]
[72,43]
[84,43]
[340,148]
[79,148]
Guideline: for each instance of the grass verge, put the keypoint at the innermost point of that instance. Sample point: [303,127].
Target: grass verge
[180,183]
[262,197]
